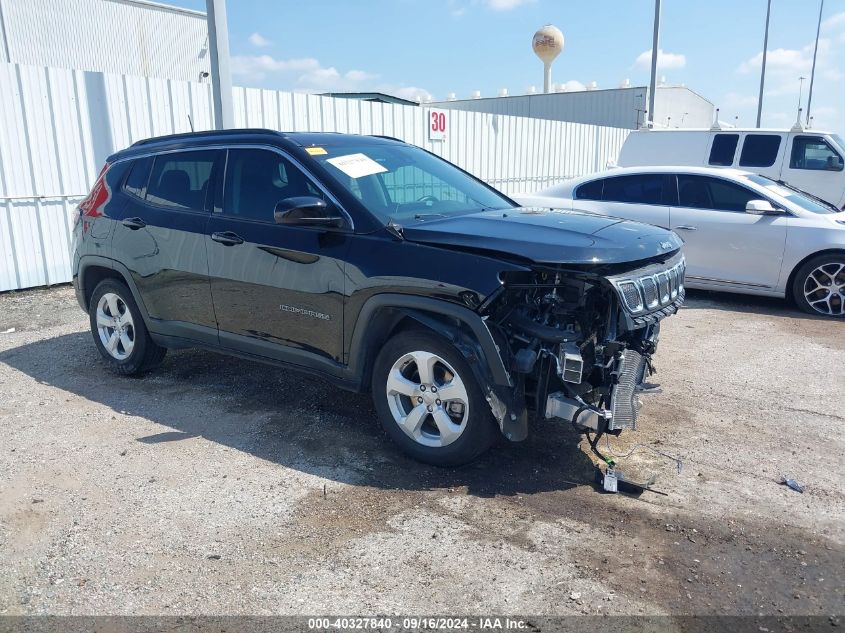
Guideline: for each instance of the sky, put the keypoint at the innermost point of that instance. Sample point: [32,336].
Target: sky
[431,48]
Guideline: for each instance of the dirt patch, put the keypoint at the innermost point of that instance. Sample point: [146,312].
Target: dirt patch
[216,485]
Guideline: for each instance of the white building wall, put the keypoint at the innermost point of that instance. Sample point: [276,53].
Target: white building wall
[617,107]
[57,126]
[131,37]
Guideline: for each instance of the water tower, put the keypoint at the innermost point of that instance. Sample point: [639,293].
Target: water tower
[547,45]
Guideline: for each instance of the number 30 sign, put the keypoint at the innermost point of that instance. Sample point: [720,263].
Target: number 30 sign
[436,125]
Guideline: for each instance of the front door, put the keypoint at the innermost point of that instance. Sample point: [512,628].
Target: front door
[277,289]
[816,167]
[724,245]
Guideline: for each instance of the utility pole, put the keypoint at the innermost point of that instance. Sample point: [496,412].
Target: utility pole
[763,70]
[813,71]
[655,47]
[221,79]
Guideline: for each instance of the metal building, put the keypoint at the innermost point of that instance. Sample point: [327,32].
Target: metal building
[675,106]
[126,37]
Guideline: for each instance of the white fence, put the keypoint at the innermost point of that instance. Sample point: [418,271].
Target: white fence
[57,126]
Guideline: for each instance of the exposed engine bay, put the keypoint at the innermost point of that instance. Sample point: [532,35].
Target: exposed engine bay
[578,344]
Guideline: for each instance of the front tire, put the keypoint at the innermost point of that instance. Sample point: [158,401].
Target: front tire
[429,402]
[819,286]
[119,331]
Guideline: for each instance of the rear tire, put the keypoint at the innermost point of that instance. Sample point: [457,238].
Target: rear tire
[429,402]
[119,330]
[819,286]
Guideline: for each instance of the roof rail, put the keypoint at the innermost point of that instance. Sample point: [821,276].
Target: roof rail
[186,135]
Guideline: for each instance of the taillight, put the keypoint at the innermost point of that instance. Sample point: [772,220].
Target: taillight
[92,205]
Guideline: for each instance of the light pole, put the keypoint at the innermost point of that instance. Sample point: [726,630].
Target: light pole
[655,46]
[763,69]
[221,79]
[813,71]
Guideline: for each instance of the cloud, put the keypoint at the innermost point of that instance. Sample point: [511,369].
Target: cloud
[835,25]
[307,74]
[256,39]
[573,85]
[783,68]
[666,61]
[505,5]
[257,67]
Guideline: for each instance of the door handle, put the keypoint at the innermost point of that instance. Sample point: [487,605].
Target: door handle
[227,238]
[686,227]
[134,223]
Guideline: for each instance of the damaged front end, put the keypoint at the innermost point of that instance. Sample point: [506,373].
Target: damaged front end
[578,341]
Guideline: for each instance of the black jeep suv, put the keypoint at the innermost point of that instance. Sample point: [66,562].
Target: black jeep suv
[379,267]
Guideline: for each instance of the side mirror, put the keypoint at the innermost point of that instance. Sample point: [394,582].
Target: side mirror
[761,207]
[306,211]
[834,163]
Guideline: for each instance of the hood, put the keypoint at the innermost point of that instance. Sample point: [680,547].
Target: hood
[548,237]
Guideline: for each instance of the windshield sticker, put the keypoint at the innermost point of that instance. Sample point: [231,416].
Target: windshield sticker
[316,151]
[356,165]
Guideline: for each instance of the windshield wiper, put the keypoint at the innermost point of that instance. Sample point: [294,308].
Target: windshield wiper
[428,216]
[807,194]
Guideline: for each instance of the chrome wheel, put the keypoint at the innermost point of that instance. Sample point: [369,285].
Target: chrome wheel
[427,398]
[115,326]
[824,289]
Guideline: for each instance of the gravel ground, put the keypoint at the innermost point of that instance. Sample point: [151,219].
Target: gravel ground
[221,486]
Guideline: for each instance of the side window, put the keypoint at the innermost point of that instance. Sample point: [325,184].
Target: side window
[759,150]
[813,152]
[590,190]
[257,179]
[139,174]
[642,189]
[723,149]
[180,180]
[702,192]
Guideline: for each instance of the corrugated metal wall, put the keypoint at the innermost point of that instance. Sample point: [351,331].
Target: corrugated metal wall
[58,125]
[115,36]
[618,107]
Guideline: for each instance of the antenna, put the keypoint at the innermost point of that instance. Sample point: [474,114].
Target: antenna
[191,123]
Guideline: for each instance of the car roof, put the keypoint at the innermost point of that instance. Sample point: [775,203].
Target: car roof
[245,135]
[660,169]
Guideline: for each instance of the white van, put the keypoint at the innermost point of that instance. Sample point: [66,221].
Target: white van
[806,159]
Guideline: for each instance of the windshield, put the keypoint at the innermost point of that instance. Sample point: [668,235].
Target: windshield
[839,141]
[801,199]
[404,184]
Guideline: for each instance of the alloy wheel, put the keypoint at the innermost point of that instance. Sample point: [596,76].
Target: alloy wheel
[115,326]
[824,289]
[427,398]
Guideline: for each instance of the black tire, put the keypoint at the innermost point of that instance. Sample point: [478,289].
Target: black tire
[145,354]
[478,428]
[835,305]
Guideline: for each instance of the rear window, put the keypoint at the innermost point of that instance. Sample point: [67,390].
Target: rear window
[723,149]
[139,174]
[759,150]
[590,190]
[642,189]
[180,180]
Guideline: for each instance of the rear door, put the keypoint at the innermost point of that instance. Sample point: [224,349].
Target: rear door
[277,289]
[641,197]
[724,245]
[160,237]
